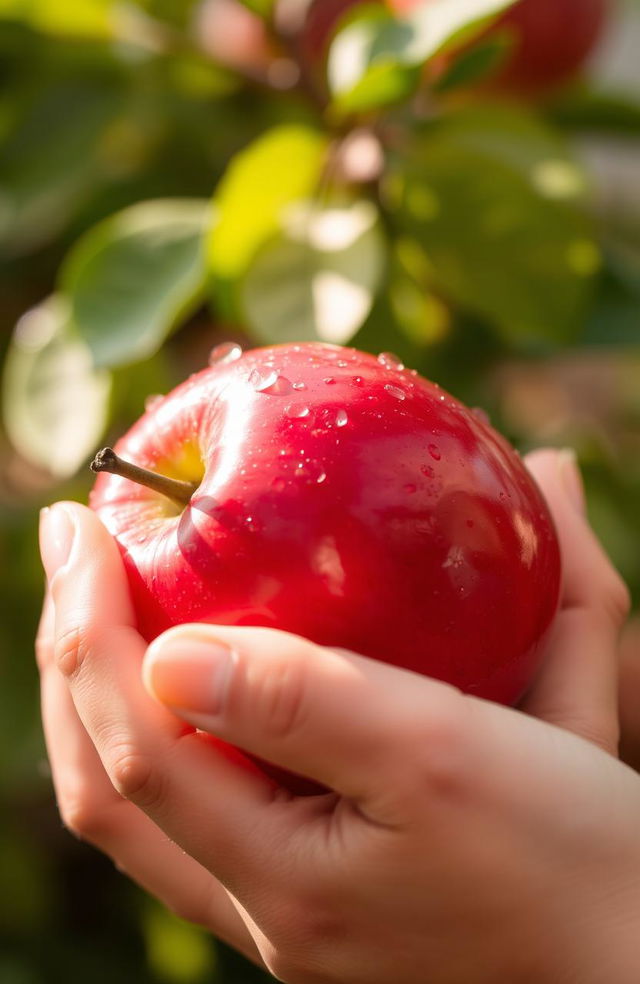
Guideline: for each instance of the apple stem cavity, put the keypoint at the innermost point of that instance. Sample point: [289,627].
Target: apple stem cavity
[179,492]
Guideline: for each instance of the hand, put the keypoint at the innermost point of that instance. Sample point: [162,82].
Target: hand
[464,842]
[630,694]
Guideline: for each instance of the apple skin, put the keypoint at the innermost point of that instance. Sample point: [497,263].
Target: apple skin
[351,502]
[553,40]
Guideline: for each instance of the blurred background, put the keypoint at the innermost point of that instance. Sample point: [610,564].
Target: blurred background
[413,177]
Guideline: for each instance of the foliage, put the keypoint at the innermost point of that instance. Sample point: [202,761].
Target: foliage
[159,195]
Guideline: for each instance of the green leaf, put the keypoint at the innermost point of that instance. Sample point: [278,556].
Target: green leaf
[132,277]
[585,110]
[499,210]
[50,160]
[84,18]
[177,951]
[375,59]
[614,318]
[476,63]
[318,279]
[55,402]
[279,168]
[262,7]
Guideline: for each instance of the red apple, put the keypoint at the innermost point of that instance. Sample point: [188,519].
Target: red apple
[552,41]
[346,499]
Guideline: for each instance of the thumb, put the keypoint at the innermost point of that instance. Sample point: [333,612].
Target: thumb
[335,717]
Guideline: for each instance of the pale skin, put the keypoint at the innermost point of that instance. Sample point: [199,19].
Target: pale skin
[465,843]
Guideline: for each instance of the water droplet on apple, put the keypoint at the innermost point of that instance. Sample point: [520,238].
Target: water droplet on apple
[390,361]
[395,392]
[358,380]
[342,418]
[152,402]
[410,488]
[225,352]
[278,484]
[481,415]
[297,411]
[428,471]
[262,381]
[329,380]
[342,364]
[299,386]
[434,451]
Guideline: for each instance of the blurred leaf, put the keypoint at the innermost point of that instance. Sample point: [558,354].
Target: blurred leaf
[614,114]
[375,59]
[55,403]
[132,277]
[614,318]
[280,167]
[262,7]
[88,18]
[476,63]
[177,951]
[499,210]
[319,277]
[50,157]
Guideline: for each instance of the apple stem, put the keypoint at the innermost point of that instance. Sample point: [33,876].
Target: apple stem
[179,492]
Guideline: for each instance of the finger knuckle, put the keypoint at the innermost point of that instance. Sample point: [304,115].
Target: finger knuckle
[84,818]
[616,597]
[135,777]
[438,763]
[276,695]
[70,651]
[44,646]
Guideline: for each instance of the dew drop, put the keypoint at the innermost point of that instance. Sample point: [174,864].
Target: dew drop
[390,361]
[299,386]
[225,352]
[395,392]
[410,488]
[481,415]
[262,381]
[342,418]
[342,364]
[152,401]
[434,451]
[358,380]
[329,380]
[297,411]
[427,471]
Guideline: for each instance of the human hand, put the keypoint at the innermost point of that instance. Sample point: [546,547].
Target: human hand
[464,841]
[629,694]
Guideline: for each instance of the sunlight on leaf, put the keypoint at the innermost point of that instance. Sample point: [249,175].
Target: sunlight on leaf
[132,277]
[318,278]
[279,168]
[55,402]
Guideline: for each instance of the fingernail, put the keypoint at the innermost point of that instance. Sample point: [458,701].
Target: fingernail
[572,479]
[57,532]
[190,671]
